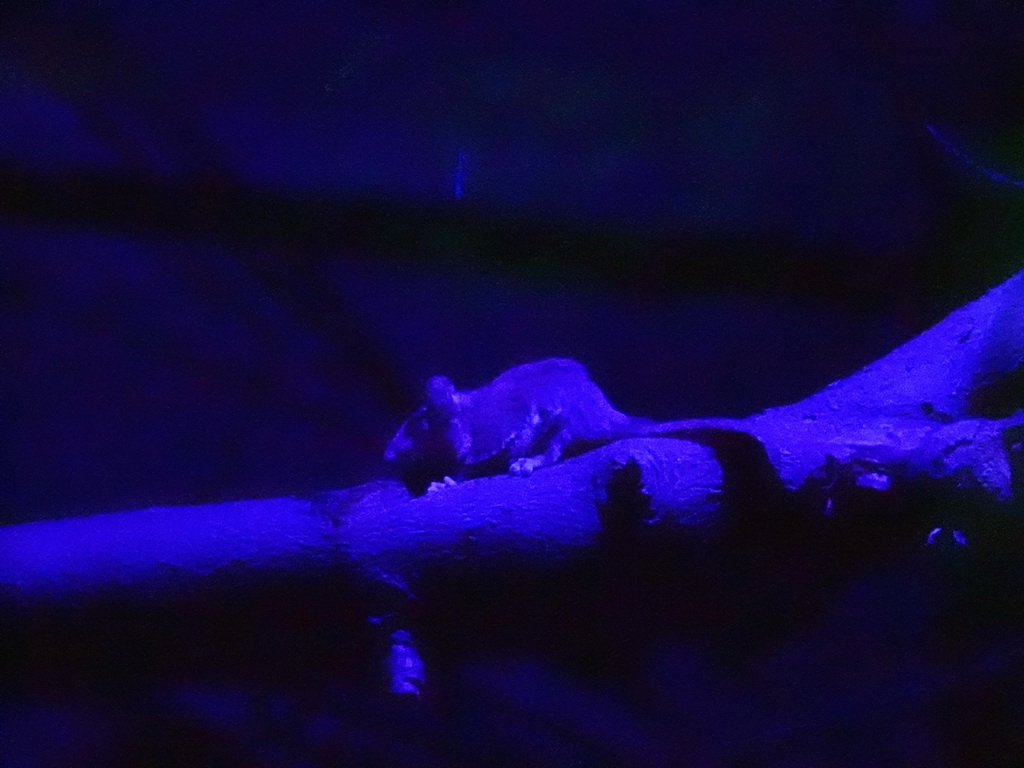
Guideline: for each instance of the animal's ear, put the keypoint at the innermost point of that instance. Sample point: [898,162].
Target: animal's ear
[441,393]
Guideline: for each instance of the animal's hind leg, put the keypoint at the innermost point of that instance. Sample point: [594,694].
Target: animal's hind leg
[525,466]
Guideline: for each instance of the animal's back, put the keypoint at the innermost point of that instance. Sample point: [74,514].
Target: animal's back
[519,409]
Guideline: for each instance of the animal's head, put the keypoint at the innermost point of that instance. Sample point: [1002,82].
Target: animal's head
[433,433]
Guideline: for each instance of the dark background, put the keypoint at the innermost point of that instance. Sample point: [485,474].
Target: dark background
[236,237]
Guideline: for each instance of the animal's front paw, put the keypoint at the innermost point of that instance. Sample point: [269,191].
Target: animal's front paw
[525,467]
[446,483]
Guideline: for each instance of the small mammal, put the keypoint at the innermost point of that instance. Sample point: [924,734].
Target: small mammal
[527,418]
